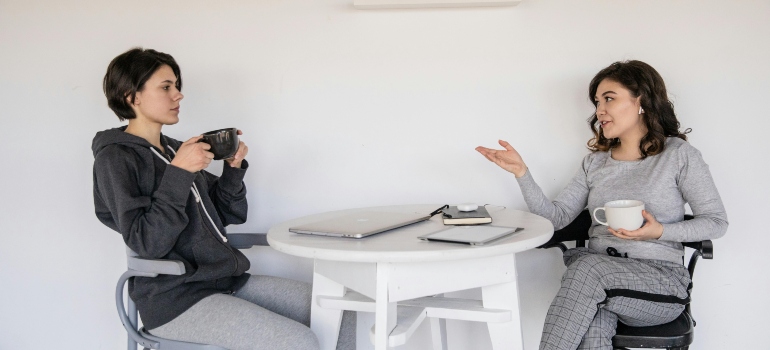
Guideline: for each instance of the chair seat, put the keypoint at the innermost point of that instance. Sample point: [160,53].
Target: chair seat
[676,333]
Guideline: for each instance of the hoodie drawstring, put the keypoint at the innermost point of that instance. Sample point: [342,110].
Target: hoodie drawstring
[195,192]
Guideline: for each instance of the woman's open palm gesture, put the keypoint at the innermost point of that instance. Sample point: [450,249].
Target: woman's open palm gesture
[508,159]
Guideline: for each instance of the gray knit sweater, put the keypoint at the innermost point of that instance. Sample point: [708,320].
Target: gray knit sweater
[664,182]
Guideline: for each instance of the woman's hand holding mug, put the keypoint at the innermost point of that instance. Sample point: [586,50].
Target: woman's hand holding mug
[193,156]
[627,219]
[240,155]
[652,229]
[508,159]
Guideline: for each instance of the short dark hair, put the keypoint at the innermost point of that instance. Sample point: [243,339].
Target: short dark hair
[127,74]
[659,117]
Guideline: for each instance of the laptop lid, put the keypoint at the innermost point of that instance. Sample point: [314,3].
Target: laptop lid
[473,235]
[361,224]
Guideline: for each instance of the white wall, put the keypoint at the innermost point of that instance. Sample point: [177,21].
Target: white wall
[344,108]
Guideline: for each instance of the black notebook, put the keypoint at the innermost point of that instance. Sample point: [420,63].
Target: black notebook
[452,216]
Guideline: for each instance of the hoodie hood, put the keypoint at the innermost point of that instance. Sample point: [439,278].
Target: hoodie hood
[119,136]
[106,143]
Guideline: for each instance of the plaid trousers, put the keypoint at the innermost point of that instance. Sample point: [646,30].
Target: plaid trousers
[581,315]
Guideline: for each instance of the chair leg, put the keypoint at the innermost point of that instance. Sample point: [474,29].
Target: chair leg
[133,317]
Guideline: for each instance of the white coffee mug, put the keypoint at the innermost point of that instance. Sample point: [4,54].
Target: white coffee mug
[625,214]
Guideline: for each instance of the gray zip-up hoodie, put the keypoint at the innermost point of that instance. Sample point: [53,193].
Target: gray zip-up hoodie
[151,204]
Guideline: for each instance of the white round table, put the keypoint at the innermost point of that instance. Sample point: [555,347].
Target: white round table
[397,276]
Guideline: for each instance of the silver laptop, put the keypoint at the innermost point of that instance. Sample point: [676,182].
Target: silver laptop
[359,225]
[473,235]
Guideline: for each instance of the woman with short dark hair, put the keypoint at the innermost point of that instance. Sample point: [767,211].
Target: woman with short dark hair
[127,74]
[638,153]
[155,192]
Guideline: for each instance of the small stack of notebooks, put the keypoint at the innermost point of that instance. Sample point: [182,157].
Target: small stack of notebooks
[452,216]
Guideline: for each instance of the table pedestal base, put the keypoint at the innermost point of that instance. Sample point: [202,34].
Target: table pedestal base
[402,295]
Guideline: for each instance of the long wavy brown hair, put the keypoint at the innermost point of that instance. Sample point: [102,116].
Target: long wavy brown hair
[659,117]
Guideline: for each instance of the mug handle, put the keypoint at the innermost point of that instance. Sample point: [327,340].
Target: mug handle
[597,220]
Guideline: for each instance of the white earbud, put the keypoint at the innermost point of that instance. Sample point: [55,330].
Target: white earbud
[641,110]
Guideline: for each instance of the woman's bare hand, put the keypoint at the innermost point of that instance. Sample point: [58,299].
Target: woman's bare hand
[652,229]
[508,159]
[193,156]
[243,150]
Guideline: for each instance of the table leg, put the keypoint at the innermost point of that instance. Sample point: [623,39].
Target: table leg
[385,311]
[438,333]
[325,323]
[504,335]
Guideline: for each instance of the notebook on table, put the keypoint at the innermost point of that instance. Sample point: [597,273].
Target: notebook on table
[453,216]
[473,235]
[361,224]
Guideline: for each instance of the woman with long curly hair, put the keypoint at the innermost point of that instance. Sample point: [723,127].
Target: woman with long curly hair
[638,153]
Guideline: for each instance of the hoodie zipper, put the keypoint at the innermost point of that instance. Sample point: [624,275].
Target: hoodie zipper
[195,192]
[199,200]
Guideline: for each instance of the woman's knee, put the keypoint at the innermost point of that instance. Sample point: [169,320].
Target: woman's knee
[305,339]
[280,333]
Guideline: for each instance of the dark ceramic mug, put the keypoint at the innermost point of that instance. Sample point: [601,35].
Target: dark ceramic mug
[223,142]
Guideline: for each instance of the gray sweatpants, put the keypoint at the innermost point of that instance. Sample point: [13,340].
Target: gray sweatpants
[267,313]
[582,317]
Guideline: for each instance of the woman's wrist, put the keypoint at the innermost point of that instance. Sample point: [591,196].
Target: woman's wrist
[658,231]
[520,172]
[233,163]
